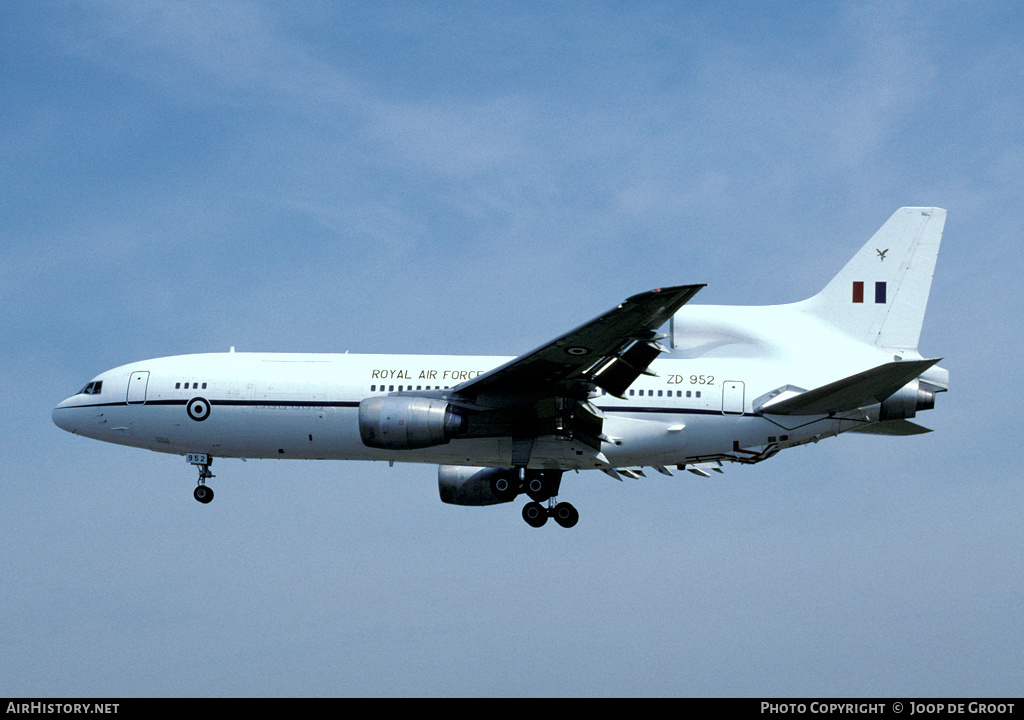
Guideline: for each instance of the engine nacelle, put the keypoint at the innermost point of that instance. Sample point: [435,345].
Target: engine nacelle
[474,486]
[905,402]
[398,422]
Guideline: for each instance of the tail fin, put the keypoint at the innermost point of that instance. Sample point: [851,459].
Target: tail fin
[881,295]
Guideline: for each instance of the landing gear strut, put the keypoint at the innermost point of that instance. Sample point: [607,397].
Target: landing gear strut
[202,461]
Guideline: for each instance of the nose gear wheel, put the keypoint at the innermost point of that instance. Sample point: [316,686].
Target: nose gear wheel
[202,493]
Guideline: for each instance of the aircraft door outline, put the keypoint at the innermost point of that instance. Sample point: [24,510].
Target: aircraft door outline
[732,397]
[137,383]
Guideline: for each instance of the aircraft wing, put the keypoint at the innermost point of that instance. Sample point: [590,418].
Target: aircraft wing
[609,352]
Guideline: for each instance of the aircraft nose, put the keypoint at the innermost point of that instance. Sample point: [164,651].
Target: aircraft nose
[63,416]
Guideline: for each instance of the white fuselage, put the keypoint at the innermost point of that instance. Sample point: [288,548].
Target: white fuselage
[305,406]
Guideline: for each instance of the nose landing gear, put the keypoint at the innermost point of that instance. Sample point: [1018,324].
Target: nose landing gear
[202,461]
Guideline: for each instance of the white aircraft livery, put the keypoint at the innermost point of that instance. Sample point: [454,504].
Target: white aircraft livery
[653,383]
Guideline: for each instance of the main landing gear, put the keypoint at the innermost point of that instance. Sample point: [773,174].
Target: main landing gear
[202,461]
[536,514]
[541,486]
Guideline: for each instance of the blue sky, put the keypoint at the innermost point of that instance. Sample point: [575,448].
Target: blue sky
[478,178]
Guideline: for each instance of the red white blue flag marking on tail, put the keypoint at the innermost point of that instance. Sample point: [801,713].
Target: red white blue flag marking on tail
[858,292]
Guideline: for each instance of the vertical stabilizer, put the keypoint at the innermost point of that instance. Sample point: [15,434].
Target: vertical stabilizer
[881,295]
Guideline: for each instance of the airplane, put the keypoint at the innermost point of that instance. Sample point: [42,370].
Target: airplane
[653,383]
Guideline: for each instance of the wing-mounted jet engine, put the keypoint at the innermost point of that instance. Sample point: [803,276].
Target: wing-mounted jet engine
[402,422]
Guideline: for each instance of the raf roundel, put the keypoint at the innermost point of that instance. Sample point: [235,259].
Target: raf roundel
[198,409]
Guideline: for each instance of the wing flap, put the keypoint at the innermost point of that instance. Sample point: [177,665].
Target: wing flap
[865,388]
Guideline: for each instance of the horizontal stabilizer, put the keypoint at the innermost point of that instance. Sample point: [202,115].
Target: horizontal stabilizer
[900,428]
[865,388]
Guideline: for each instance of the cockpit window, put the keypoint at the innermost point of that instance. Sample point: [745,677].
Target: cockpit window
[93,388]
